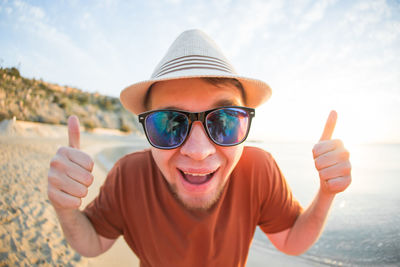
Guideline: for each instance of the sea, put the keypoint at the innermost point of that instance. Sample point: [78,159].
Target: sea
[363,227]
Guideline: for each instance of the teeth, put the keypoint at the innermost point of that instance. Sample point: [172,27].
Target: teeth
[196,174]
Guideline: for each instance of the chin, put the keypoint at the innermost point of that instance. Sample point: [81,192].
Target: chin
[200,203]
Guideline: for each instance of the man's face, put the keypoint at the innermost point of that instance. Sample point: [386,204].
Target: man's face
[198,170]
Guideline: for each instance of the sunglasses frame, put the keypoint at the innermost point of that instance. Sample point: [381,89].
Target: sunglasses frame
[196,116]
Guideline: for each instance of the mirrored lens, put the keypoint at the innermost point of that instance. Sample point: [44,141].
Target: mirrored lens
[228,126]
[166,129]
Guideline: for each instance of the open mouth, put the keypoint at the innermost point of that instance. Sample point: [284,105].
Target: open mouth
[197,178]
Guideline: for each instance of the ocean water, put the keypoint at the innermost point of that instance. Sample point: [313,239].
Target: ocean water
[363,227]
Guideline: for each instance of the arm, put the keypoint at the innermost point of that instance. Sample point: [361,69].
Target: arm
[333,164]
[307,228]
[68,180]
[81,235]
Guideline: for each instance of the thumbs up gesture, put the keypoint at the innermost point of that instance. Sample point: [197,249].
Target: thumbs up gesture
[332,160]
[70,174]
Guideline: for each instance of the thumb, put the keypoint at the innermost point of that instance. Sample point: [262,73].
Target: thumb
[73,131]
[329,126]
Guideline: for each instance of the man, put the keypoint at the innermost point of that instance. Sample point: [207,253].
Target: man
[196,197]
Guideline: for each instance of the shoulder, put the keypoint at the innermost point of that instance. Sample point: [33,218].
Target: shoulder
[132,166]
[140,158]
[252,150]
[137,155]
[254,156]
[255,175]
[258,165]
[134,173]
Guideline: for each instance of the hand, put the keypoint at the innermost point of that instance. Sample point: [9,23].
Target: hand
[70,172]
[332,160]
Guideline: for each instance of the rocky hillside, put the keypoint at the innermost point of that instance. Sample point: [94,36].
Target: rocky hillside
[39,101]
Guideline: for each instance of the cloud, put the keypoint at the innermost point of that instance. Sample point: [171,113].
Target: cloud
[364,16]
[68,49]
[175,2]
[314,14]
[48,51]
[236,25]
[324,51]
[8,10]
[86,22]
[28,10]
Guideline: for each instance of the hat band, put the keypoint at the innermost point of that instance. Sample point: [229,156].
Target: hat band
[193,62]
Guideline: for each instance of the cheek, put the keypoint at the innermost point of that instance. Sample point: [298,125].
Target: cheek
[163,159]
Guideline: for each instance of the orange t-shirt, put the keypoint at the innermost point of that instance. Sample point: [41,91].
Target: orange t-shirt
[136,202]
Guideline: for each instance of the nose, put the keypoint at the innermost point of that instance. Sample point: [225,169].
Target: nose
[198,146]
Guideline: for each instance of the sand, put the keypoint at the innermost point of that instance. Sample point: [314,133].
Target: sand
[30,234]
[29,231]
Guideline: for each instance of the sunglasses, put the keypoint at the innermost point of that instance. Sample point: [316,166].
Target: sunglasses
[168,128]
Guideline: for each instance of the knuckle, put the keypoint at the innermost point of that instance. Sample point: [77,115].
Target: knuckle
[79,191]
[90,179]
[72,202]
[345,154]
[330,186]
[76,203]
[62,150]
[315,150]
[349,180]
[50,193]
[347,167]
[318,165]
[53,197]
[55,162]
[53,180]
[338,143]
[338,184]
[86,161]
[87,179]
[322,174]
[334,185]
[90,164]
[84,191]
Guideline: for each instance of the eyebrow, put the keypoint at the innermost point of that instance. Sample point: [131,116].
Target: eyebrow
[218,104]
[226,102]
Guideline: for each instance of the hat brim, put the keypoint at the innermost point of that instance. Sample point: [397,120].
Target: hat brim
[132,97]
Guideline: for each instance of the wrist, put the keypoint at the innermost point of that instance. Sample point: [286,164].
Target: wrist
[66,214]
[325,195]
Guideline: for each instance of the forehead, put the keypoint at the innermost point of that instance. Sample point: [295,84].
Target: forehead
[193,95]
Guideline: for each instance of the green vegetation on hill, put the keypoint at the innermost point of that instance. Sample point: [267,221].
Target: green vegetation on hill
[39,101]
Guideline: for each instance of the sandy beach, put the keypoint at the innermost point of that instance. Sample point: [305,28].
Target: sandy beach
[29,231]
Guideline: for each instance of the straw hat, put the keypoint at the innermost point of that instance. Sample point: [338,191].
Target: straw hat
[193,55]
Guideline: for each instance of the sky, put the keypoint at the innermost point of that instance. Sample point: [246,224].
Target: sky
[315,55]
